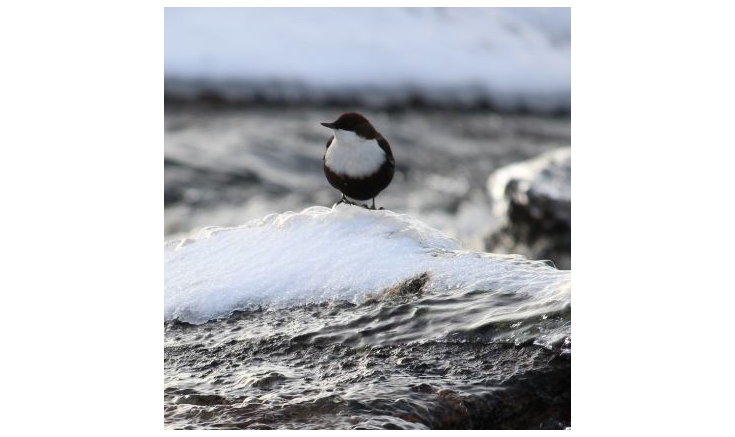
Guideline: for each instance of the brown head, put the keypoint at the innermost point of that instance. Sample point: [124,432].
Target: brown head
[354,122]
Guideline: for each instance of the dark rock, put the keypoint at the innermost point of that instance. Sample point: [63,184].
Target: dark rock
[202,399]
[269,380]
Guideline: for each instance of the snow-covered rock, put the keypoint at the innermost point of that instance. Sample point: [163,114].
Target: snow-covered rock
[346,252]
[535,199]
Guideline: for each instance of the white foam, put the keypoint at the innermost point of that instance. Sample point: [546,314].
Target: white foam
[321,254]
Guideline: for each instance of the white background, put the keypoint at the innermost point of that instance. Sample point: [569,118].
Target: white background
[82,277]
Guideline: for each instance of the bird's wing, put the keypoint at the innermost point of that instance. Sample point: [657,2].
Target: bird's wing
[383,143]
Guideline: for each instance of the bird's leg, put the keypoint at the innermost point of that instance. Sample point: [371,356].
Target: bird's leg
[346,201]
[373,203]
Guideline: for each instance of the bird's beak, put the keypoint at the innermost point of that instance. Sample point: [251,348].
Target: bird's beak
[329,125]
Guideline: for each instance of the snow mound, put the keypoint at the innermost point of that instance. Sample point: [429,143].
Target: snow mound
[345,252]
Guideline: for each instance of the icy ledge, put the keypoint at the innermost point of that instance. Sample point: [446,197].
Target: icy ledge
[345,252]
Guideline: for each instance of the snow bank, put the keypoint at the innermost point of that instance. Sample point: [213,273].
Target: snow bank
[513,56]
[345,252]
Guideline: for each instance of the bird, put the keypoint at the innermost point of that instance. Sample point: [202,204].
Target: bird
[358,160]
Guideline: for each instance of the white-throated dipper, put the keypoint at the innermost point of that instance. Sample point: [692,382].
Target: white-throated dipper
[358,161]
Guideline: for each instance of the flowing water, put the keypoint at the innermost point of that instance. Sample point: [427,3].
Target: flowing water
[464,340]
[340,365]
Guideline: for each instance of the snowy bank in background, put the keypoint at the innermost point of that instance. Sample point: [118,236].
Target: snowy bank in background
[347,253]
[510,58]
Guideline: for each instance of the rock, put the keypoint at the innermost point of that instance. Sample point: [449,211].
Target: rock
[269,380]
[534,199]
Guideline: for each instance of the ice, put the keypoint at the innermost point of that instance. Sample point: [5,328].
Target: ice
[515,56]
[345,252]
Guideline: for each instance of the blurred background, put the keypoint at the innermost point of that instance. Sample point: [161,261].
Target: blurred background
[475,103]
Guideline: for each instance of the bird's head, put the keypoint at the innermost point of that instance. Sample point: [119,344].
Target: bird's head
[353,122]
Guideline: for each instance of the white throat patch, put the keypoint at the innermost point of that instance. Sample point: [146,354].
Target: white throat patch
[353,156]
